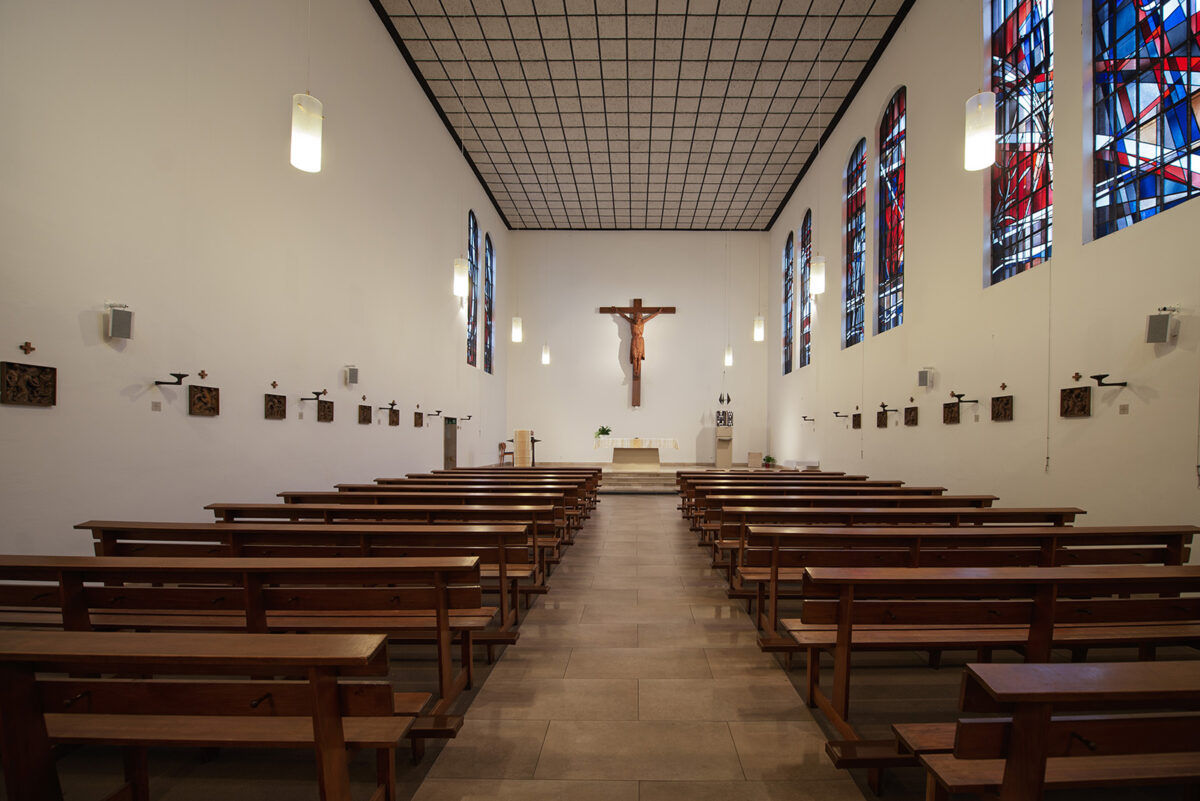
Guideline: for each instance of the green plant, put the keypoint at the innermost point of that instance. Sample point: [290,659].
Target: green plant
[768,461]
[603,431]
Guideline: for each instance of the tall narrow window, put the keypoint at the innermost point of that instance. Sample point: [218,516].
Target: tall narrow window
[891,214]
[856,243]
[472,287]
[1147,100]
[489,293]
[806,289]
[789,295]
[1022,179]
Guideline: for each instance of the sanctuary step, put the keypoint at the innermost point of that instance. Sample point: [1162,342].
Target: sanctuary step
[617,482]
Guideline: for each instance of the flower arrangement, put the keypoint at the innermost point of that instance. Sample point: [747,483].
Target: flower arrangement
[603,431]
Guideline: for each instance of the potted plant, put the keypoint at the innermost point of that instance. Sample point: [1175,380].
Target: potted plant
[603,431]
[769,461]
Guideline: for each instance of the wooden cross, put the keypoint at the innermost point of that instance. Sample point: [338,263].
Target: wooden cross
[27,347]
[637,315]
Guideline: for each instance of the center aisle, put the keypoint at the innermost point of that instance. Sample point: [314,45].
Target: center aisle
[636,679]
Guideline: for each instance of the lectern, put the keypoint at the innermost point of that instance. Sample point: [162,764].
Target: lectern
[724,447]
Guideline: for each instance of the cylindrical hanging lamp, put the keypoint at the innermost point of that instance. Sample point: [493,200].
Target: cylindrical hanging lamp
[306,133]
[979,148]
[518,332]
[729,355]
[545,354]
[460,278]
[760,328]
[816,275]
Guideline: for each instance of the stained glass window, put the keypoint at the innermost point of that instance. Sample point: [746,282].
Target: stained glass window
[806,289]
[891,214]
[1022,178]
[856,243]
[1147,100]
[789,307]
[489,292]
[472,287]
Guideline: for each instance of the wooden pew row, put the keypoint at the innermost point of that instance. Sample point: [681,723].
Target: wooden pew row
[574,494]
[774,557]
[416,599]
[693,497]
[566,522]
[590,476]
[539,518]
[683,478]
[503,550]
[1036,747]
[1030,609]
[586,486]
[327,706]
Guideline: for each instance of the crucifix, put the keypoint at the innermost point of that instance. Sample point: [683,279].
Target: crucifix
[637,315]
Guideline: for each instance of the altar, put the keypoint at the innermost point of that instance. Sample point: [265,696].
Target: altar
[636,453]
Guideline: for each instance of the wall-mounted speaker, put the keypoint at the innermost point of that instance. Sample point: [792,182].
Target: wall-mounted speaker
[120,324]
[925,378]
[1161,328]
[351,375]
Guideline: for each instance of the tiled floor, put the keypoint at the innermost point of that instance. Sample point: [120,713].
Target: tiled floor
[635,678]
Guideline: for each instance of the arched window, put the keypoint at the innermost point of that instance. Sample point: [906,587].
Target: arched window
[856,243]
[890,308]
[1022,178]
[806,289]
[489,292]
[789,308]
[1146,124]
[472,287]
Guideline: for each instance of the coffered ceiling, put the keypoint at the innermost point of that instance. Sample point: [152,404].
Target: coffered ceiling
[640,114]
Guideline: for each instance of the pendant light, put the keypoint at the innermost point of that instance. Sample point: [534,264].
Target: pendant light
[760,328]
[979,146]
[729,355]
[760,324]
[460,278]
[307,119]
[816,275]
[545,354]
[518,331]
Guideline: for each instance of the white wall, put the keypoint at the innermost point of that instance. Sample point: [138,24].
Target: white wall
[145,162]
[1084,311]
[564,278]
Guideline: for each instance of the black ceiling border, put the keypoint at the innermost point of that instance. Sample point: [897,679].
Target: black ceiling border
[837,117]
[412,66]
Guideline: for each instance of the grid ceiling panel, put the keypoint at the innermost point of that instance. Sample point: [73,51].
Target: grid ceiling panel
[641,114]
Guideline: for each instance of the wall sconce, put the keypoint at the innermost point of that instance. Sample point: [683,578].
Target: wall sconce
[979,144]
[435,413]
[178,382]
[1100,382]
[460,278]
[808,419]
[839,414]
[390,407]
[958,398]
[316,395]
[518,332]
[816,275]
[465,417]
[886,410]
[760,328]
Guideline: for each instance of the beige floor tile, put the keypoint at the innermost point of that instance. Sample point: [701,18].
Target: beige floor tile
[783,751]
[554,617]
[590,635]
[565,596]
[557,699]
[636,582]
[669,614]
[525,661]
[735,662]
[525,790]
[697,635]
[689,595]
[638,750]
[638,663]
[839,790]
[758,698]
[492,749]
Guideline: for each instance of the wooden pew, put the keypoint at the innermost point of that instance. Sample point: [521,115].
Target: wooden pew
[411,599]
[590,476]
[776,556]
[503,550]
[321,711]
[695,492]
[1034,749]
[574,493]
[539,518]
[1032,609]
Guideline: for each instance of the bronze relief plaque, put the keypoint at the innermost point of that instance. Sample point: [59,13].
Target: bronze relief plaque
[418,419]
[274,407]
[364,415]
[950,413]
[910,415]
[881,419]
[324,411]
[856,420]
[393,417]
[28,384]
[204,401]
[1075,402]
[1002,408]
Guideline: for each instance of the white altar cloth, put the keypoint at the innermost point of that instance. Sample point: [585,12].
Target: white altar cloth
[636,442]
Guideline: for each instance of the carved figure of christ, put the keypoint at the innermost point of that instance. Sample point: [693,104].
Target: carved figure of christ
[637,315]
